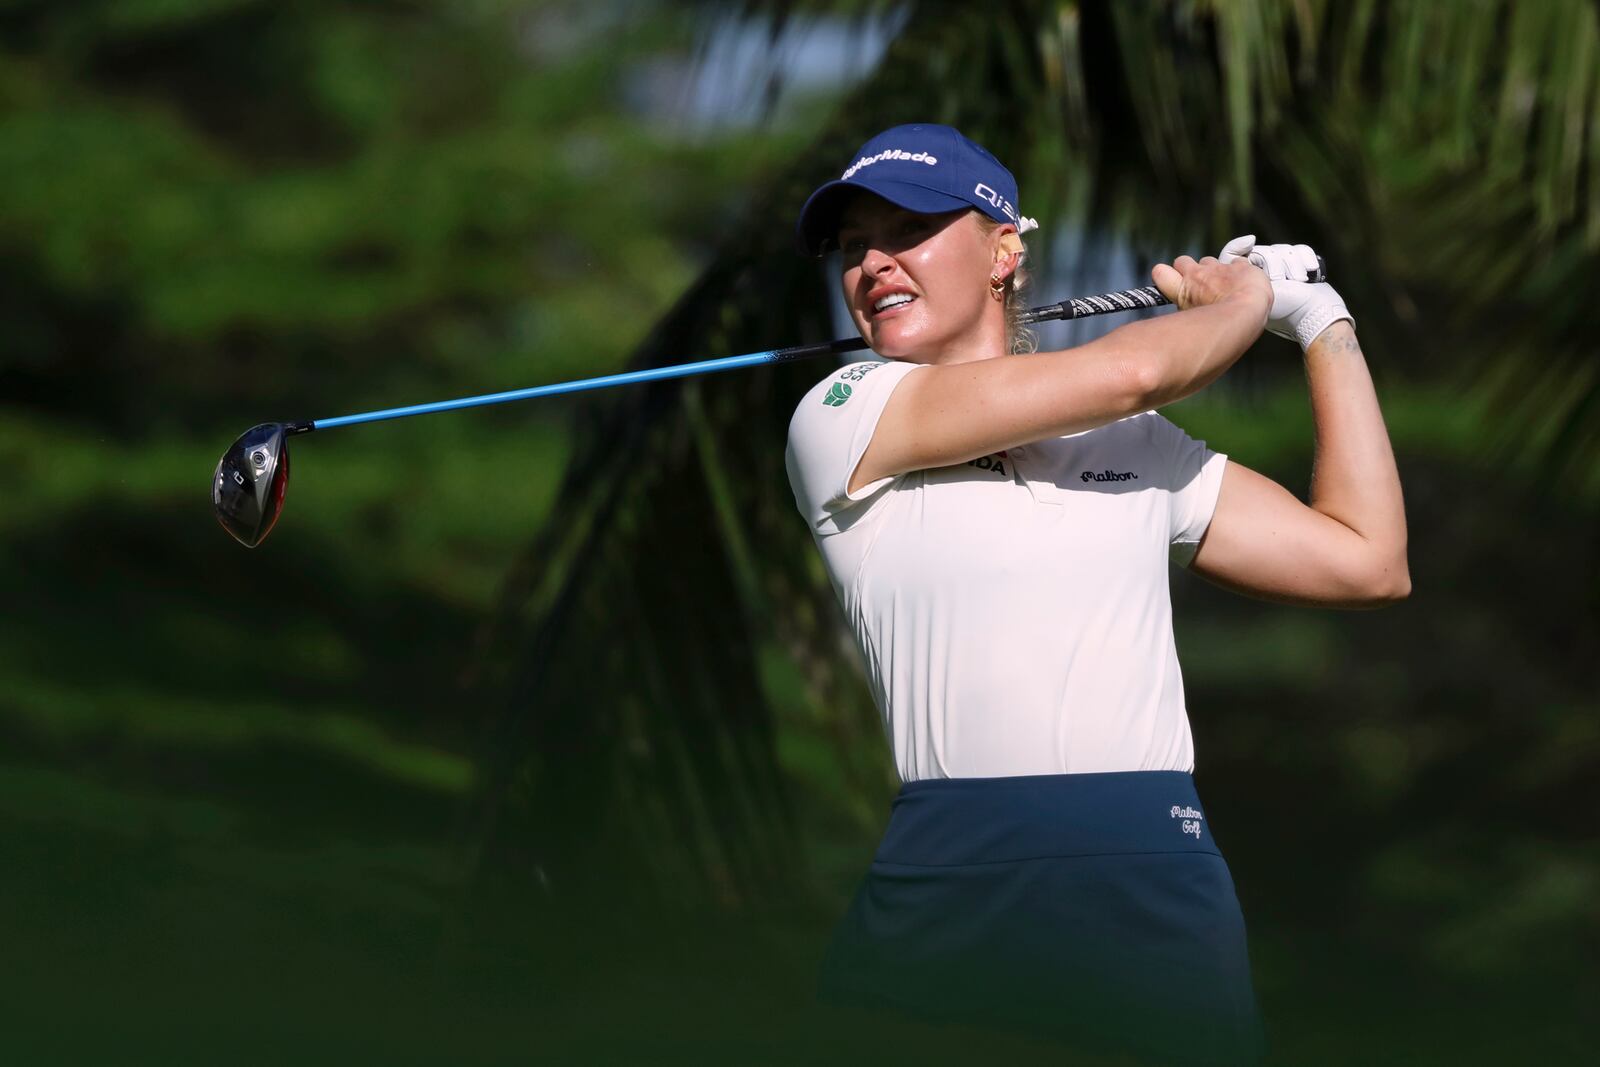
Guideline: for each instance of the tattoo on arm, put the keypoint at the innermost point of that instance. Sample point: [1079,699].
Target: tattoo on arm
[1340,341]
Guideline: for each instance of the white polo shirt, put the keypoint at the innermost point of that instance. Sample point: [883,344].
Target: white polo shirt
[1012,611]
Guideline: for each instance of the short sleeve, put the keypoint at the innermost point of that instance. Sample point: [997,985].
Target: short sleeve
[1196,480]
[829,433]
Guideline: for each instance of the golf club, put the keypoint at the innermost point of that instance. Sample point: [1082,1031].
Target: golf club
[252,476]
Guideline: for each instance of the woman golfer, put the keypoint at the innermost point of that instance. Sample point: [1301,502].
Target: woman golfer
[998,528]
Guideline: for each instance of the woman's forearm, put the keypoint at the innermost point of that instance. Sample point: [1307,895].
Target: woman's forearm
[1183,353]
[1354,479]
[953,412]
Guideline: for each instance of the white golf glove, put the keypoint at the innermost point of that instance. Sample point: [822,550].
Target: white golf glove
[1301,309]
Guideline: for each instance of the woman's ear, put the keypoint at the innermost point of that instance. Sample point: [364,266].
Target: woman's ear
[1009,245]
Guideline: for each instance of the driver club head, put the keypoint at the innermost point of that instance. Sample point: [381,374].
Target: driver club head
[247,492]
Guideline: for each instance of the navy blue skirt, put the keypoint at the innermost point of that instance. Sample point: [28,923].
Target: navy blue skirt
[1093,908]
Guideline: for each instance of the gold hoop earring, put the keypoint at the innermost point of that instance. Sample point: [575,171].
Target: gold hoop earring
[997,286]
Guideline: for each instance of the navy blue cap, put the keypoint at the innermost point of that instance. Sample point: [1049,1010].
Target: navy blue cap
[923,168]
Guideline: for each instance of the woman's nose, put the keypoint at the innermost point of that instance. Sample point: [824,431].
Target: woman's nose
[876,261]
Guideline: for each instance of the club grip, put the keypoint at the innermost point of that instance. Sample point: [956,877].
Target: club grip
[1146,296]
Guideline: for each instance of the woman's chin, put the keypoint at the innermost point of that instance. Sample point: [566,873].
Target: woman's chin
[894,340]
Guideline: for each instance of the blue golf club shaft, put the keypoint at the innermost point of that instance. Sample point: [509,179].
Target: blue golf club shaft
[1078,308]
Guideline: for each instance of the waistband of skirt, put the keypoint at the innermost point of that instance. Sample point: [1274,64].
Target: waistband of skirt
[957,821]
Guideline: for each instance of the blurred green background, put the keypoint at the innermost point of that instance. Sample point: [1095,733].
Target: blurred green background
[530,734]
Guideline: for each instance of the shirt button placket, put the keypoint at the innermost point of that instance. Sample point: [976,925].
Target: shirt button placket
[1042,491]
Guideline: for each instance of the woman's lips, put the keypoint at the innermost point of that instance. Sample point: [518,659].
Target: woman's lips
[891,310]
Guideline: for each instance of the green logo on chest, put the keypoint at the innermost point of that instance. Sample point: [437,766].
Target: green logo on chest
[837,395]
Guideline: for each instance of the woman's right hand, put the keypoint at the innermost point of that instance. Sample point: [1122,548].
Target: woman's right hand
[1191,283]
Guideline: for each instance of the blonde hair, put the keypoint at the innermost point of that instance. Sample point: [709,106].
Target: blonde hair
[1020,339]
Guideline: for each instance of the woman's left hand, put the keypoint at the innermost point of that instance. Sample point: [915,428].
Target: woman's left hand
[1301,308]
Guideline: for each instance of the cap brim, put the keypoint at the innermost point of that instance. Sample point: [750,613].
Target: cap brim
[819,218]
